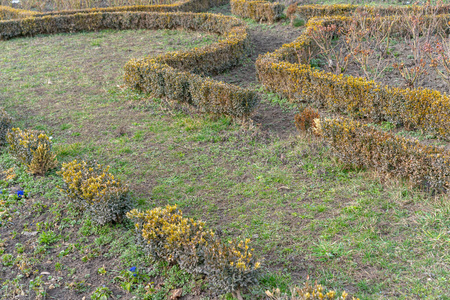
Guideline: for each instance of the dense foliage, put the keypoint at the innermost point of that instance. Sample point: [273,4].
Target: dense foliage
[261,11]
[229,266]
[361,145]
[33,149]
[91,188]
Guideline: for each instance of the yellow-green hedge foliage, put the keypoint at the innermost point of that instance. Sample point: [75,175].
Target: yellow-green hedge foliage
[280,71]
[427,167]
[263,11]
[316,10]
[167,235]
[33,149]
[178,6]
[5,125]
[53,24]
[307,292]
[92,189]
[8,13]
[166,75]
[205,94]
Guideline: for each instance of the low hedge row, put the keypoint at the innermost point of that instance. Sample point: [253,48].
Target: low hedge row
[121,21]
[7,13]
[166,75]
[207,95]
[260,11]
[316,10]
[280,72]
[361,145]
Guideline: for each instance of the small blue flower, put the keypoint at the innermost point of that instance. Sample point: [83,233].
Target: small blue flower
[133,269]
[20,194]
[134,274]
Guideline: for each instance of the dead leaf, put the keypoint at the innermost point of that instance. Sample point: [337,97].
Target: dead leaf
[175,294]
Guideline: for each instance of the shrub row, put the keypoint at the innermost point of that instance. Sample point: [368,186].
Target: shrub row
[7,13]
[116,20]
[33,149]
[281,72]
[92,189]
[316,10]
[427,167]
[178,6]
[166,75]
[260,11]
[169,236]
[205,94]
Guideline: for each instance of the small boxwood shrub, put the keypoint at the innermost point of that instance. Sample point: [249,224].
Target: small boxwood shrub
[33,149]
[308,292]
[92,189]
[5,125]
[167,235]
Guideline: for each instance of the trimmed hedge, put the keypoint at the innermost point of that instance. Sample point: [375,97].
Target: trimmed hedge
[166,75]
[260,11]
[207,95]
[7,13]
[178,6]
[427,167]
[316,10]
[280,72]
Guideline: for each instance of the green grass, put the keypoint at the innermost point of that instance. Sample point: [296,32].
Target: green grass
[306,213]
